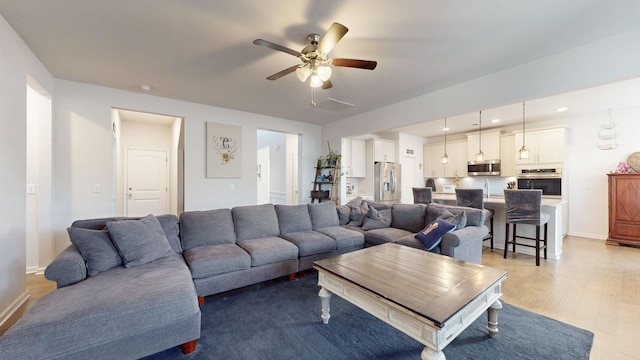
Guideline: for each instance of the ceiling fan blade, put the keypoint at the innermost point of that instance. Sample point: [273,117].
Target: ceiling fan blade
[331,37]
[327,85]
[282,73]
[354,63]
[275,46]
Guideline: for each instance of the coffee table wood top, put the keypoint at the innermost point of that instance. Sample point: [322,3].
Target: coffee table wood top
[431,285]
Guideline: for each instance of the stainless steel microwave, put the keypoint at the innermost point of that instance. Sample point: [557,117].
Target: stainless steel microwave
[483,168]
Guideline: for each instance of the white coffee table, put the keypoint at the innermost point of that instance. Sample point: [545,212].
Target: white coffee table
[432,298]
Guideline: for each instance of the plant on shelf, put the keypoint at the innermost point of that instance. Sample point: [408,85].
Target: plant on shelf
[332,159]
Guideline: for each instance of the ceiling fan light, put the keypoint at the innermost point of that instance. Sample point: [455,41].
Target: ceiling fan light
[303,73]
[324,72]
[315,81]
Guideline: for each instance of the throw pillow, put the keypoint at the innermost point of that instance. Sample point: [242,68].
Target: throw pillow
[377,219]
[459,220]
[96,249]
[431,236]
[139,241]
[359,210]
[344,214]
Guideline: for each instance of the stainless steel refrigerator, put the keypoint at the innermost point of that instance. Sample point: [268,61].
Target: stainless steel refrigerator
[386,184]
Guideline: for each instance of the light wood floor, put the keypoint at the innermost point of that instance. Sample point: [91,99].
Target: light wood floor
[593,286]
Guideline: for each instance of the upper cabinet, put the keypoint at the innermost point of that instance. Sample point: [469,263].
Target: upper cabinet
[384,150]
[354,157]
[457,166]
[490,145]
[545,147]
[508,155]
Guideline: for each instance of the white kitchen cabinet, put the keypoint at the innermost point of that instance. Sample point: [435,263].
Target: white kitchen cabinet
[384,150]
[490,145]
[457,166]
[433,167]
[508,156]
[545,147]
[354,157]
[358,158]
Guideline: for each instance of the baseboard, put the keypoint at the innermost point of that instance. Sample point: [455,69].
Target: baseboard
[587,235]
[35,270]
[17,303]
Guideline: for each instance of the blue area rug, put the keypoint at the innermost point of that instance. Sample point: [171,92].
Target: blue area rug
[282,321]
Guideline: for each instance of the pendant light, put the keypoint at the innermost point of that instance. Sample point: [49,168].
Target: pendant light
[523,152]
[480,154]
[445,158]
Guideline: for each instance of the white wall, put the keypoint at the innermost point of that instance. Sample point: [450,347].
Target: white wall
[17,64]
[83,151]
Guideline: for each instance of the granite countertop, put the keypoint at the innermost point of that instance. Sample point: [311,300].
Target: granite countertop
[496,199]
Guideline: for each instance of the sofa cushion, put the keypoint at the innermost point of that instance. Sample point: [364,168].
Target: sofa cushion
[96,249]
[205,228]
[255,221]
[431,235]
[205,261]
[269,250]
[323,214]
[385,235]
[377,219]
[310,242]
[139,241]
[408,217]
[410,240]
[344,237]
[293,218]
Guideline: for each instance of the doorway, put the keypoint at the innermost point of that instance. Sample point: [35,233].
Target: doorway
[148,174]
[277,166]
[39,240]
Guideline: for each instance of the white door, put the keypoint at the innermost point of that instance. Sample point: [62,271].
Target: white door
[146,182]
[263,176]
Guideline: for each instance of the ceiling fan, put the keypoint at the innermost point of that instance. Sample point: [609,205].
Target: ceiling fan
[316,63]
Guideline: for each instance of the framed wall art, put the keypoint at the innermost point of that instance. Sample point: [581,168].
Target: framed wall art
[224,151]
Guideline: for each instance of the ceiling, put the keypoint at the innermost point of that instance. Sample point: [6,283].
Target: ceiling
[201,51]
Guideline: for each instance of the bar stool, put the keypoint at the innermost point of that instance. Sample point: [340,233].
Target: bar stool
[524,207]
[474,198]
[422,195]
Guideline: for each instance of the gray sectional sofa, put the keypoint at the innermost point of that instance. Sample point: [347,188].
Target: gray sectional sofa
[122,295]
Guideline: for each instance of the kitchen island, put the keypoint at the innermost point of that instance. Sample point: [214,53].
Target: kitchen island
[556,208]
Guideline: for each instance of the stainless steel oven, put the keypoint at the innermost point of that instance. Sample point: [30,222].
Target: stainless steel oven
[548,180]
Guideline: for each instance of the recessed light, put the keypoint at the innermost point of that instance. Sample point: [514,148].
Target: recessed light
[145,87]
[445,129]
[561,109]
[495,120]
